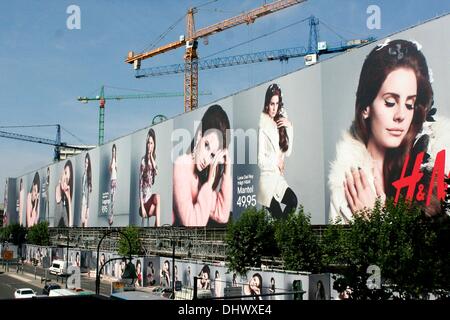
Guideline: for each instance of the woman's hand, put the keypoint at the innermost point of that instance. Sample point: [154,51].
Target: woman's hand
[219,158]
[227,162]
[283,122]
[358,193]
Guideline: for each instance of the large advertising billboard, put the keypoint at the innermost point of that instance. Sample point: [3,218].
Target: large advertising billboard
[368,124]
[151,173]
[395,127]
[9,200]
[202,166]
[64,193]
[86,196]
[114,183]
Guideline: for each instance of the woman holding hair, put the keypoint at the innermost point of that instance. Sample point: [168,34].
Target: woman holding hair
[86,186]
[165,274]
[33,202]
[63,196]
[254,287]
[202,185]
[113,182]
[393,99]
[275,140]
[149,203]
[203,281]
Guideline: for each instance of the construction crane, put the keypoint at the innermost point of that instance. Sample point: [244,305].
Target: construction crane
[102,101]
[190,42]
[314,49]
[57,142]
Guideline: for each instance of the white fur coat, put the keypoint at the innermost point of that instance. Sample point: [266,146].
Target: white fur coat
[353,153]
[271,182]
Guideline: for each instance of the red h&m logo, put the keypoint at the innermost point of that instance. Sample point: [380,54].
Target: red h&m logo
[412,181]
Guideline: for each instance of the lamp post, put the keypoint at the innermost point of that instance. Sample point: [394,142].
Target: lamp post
[172,242]
[97,276]
[67,256]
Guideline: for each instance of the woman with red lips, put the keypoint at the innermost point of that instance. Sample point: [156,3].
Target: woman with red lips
[393,99]
[202,185]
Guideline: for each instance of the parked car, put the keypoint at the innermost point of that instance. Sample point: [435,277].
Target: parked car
[49,287]
[24,293]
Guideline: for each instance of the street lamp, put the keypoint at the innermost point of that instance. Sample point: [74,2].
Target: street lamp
[97,276]
[67,255]
[172,242]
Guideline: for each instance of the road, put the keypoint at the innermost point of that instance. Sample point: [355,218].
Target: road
[11,280]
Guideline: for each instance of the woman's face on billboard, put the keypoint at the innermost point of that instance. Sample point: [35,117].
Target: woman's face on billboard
[254,283]
[150,144]
[392,111]
[34,192]
[207,148]
[66,178]
[273,106]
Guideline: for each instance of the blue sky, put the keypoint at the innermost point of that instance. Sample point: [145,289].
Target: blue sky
[45,66]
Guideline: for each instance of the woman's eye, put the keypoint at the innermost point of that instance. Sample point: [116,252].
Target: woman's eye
[409,106]
[389,103]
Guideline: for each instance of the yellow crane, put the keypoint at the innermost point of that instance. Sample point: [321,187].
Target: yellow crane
[190,42]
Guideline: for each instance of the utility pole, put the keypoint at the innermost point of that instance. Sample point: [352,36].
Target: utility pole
[173,268]
[67,256]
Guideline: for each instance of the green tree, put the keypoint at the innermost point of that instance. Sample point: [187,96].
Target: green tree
[132,233]
[38,234]
[14,233]
[298,244]
[249,239]
[410,249]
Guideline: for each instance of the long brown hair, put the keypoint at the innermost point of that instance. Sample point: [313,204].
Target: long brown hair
[150,134]
[275,90]
[380,62]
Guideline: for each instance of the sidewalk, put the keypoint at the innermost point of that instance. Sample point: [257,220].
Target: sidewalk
[26,277]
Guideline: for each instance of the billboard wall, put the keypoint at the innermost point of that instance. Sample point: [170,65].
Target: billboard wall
[301,139]
[151,173]
[86,203]
[270,177]
[341,78]
[65,186]
[114,183]
[202,166]
[9,200]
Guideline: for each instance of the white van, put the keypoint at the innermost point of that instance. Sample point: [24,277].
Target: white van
[58,267]
[69,292]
